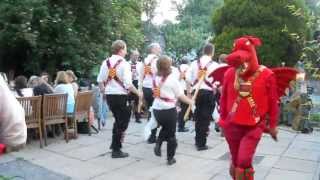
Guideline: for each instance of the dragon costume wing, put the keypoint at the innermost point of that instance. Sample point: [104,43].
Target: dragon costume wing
[284,75]
[218,73]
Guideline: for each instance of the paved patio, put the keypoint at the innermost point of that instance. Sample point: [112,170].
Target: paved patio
[295,156]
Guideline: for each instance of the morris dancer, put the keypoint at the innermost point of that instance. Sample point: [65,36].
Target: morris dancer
[135,64]
[166,91]
[115,81]
[183,68]
[205,100]
[147,73]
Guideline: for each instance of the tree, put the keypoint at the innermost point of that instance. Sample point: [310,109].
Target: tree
[149,7]
[181,41]
[274,21]
[193,28]
[311,59]
[51,35]
[311,50]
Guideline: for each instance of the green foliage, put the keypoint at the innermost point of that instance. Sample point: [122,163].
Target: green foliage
[311,48]
[311,58]
[277,22]
[198,12]
[314,6]
[37,35]
[149,7]
[315,117]
[193,28]
[180,41]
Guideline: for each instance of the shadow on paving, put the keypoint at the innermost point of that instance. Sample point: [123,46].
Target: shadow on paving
[22,169]
[256,160]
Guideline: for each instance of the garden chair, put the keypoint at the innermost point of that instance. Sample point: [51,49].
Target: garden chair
[54,111]
[82,110]
[32,108]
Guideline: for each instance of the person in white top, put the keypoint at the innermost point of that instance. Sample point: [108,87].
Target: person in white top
[175,72]
[166,93]
[135,64]
[115,81]
[183,68]
[13,128]
[205,101]
[147,71]
[20,88]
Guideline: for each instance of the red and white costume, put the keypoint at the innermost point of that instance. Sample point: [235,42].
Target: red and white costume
[249,103]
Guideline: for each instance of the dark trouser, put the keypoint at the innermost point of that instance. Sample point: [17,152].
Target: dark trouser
[135,99]
[167,120]
[148,96]
[183,110]
[205,104]
[120,109]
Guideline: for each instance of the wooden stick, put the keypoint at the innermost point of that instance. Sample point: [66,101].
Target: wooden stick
[194,97]
[139,105]
[140,84]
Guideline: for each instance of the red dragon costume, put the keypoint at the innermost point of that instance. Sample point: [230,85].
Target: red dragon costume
[249,103]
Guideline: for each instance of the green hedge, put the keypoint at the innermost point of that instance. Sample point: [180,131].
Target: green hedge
[273,21]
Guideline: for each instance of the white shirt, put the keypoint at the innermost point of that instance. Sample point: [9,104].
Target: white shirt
[168,89]
[26,92]
[192,73]
[123,71]
[135,71]
[183,68]
[13,129]
[175,72]
[147,81]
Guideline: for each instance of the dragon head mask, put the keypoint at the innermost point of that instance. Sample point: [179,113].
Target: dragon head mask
[244,56]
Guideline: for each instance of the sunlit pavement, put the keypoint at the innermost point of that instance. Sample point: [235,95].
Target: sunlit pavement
[295,156]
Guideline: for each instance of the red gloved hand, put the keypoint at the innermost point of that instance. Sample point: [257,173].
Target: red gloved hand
[2,149]
[274,133]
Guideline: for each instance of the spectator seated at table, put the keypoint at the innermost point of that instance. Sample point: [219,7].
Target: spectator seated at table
[63,86]
[72,78]
[21,89]
[41,87]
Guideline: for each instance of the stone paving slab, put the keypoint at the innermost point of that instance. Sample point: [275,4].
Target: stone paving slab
[21,169]
[288,175]
[271,150]
[269,161]
[61,147]
[88,152]
[302,154]
[294,156]
[296,165]
[32,153]
[306,145]
[316,174]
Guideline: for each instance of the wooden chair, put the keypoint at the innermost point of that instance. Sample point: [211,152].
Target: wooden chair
[54,111]
[32,108]
[82,109]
